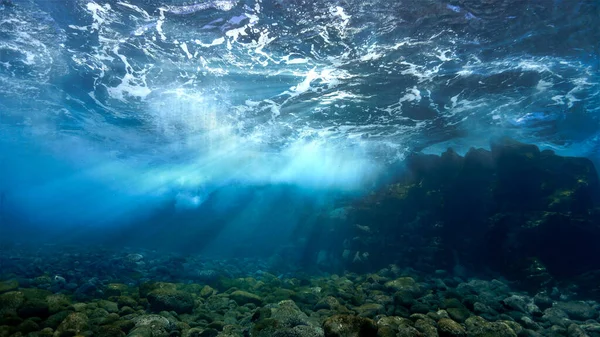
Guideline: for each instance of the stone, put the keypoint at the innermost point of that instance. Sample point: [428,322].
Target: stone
[404,284]
[449,328]
[370,310]
[327,303]
[11,301]
[109,306]
[153,321]
[459,314]
[9,285]
[243,297]
[287,314]
[207,291]
[479,327]
[34,307]
[75,323]
[109,331]
[426,327]
[349,326]
[170,299]
[57,302]
[28,326]
[575,331]
[580,311]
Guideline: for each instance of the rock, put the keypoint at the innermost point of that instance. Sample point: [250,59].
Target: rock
[207,291]
[10,285]
[57,302]
[370,310]
[283,319]
[479,327]
[146,331]
[243,297]
[116,289]
[327,303]
[543,301]
[34,308]
[109,331]
[75,323]
[426,327]
[555,316]
[109,306]
[153,321]
[54,320]
[404,284]
[151,326]
[459,314]
[349,326]
[11,301]
[485,310]
[170,299]
[28,326]
[123,301]
[580,311]
[287,314]
[575,331]
[450,328]
[88,291]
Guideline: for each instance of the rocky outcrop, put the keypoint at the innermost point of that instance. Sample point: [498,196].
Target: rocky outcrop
[529,214]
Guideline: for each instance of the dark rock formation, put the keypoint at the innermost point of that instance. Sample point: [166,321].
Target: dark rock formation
[531,215]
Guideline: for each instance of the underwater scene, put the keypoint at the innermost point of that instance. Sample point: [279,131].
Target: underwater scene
[299,168]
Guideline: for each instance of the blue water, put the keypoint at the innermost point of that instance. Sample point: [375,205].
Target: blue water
[111,111]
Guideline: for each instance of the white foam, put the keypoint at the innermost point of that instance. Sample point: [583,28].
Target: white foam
[184,47]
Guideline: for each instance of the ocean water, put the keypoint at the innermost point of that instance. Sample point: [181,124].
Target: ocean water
[292,150]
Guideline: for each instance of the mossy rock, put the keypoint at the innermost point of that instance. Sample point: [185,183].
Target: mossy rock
[6,330]
[34,308]
[479,327]
[109,306]
[459,314]
[349,326]
[109,331]
[58,302]
[54,320]
[207,291]
[123,301]
[28,326]
[578,310]
[169,299]
[449,328]
[11,301]
[76,323]
[117,289]
[427,327]
[243,297]
[9,285]
[145,288]
[124,325]
[370,310]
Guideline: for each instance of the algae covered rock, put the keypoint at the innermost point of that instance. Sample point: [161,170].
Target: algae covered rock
[171,299]
[450,328]
[349,326]
[284,319]
[479,327]
[11,301]
[10,285]
[243,297]
[75,323]
[577,310]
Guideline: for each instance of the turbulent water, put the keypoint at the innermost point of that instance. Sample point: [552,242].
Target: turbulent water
[109,106]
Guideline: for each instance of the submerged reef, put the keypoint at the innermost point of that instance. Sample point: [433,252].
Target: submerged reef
[60,291]
[527,214]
